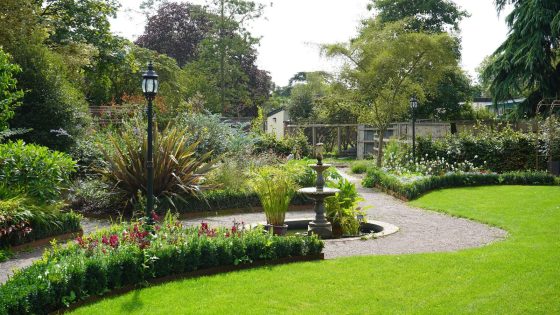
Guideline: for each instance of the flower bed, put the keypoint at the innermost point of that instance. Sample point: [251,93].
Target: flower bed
[125,255]
[23,221]
[411,187]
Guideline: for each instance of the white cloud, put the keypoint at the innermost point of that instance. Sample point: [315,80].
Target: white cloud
[293,30]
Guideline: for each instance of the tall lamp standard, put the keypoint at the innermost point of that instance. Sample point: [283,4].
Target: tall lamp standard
[150,88]
[413,106]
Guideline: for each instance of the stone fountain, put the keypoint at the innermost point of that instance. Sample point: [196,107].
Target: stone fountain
[319,226]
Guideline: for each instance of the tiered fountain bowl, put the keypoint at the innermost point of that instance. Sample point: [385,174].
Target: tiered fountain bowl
[319,226]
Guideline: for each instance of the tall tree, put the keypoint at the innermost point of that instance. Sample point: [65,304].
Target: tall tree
[216,50]
[10,96]
[386,64]
[305,94]
[52,107]
[449,101]
[176,30]
[432,16]
[78,21]
[527,62]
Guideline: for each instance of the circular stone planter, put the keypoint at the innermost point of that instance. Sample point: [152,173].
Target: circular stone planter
[371,229]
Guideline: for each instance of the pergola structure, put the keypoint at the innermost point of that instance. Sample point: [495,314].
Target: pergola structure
[545,106]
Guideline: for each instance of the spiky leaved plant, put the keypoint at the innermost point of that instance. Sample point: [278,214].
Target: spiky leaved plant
[177,171]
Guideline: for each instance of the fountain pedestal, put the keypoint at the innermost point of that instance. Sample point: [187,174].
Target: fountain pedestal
[320,226]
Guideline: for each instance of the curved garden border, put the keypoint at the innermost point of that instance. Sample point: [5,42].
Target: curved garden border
[46,241]
[412,190]
[194,274]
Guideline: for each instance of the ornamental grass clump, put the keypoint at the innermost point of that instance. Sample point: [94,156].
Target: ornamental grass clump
[275,188]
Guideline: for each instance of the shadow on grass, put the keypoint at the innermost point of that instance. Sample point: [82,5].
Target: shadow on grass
[135,303]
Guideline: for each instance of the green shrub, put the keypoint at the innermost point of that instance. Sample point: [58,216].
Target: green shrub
[296,144]
[129,255]
[9,94]
[413,189]
[498,151]
[360,167]
[94,195]
[35,170]
[214,135]
[342,209]
[22,220]
[52,107]
[4,255]
[227,199]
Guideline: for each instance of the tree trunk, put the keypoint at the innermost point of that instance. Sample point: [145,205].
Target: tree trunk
[380,148]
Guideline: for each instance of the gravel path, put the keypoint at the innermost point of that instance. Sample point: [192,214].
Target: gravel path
[420,231]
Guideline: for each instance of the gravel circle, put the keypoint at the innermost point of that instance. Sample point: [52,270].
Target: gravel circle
[420,231]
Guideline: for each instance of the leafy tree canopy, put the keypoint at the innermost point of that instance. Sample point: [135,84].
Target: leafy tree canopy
[434,16]
[386,64]
[527,62]
[9,94]
[176,30]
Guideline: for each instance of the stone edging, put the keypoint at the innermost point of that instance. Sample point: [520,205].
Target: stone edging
[388,229]
[45,241]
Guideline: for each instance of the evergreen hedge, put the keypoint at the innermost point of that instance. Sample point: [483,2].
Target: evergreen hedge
[411,190]
[129,255]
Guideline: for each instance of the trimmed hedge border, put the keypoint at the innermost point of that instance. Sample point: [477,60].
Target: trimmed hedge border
[76,272]
[195,274]
[215,200]
[408,191]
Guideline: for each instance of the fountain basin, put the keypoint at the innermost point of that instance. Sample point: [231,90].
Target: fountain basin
[313,191]
[370,229]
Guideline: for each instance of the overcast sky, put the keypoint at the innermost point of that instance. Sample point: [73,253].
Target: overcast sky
[292,30]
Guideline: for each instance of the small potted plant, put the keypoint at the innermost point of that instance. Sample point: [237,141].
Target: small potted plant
[275,189]
[342,210]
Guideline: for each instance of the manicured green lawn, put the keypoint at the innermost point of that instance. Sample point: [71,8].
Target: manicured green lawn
[517,276]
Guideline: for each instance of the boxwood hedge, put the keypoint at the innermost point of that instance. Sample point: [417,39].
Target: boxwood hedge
[411,190]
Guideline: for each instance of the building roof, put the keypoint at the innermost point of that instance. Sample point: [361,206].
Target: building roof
[276,111]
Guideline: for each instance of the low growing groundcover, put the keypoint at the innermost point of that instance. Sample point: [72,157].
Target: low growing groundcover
[519,275]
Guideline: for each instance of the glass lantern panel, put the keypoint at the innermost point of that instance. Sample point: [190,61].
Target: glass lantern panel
[144,85]
[156,86]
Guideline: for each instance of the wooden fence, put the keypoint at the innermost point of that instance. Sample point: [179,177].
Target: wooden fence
[339,137]
[368,137]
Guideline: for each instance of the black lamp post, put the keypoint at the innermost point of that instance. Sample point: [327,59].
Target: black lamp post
[413,106]
[150,88]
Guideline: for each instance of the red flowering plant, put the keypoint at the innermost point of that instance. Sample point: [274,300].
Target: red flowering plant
[169,231]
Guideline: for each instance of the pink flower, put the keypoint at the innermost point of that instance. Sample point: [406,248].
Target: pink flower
[105,240]
[80,241]
[114,240]
[204,226]
[155,217]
